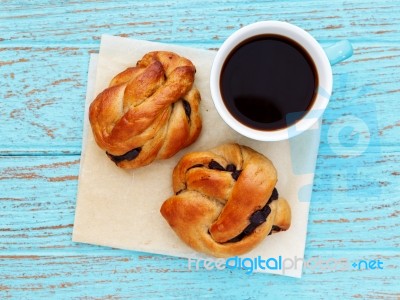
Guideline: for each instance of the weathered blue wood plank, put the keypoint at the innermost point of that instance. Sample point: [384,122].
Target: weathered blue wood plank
[350,207]
[192,22]
[42,94]
[127,275]
[46,107]
[44,51]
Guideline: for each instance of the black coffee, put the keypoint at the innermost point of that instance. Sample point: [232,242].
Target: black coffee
[268,82]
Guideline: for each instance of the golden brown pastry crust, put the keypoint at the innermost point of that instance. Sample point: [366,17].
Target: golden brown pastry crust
[152,107]
[216,194]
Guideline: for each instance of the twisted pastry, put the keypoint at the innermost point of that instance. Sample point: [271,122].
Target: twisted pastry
[225,200]
[148,112]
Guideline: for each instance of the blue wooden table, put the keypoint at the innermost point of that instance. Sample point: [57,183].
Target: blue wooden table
[354,214]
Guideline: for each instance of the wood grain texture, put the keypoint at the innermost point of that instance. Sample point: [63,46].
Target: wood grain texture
[189,22]
[50,109]
[39,194]
[44,54]
[122,275]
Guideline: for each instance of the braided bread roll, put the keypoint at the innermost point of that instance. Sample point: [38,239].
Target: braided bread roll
[225,200]
[148,112]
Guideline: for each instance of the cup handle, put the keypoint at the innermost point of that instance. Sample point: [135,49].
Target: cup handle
[339,51]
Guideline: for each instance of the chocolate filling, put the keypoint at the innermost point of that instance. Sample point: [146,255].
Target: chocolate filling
[235,174]
[274,228]
[188,109]
[257,218]
[130,155]
[231,168]
[213,165]
[274,196]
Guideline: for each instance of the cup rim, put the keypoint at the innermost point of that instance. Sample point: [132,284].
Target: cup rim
[316,52]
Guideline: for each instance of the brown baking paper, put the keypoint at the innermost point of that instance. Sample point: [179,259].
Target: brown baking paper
[120,208]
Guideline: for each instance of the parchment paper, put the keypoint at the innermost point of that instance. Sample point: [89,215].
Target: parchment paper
[119,208]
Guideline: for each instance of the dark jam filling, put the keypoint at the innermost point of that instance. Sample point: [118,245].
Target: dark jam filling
[275,228]
[130,155]
[187,108]
[257,218]
[213,165]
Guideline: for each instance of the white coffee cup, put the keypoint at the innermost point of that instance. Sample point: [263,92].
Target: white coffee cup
[321,58]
